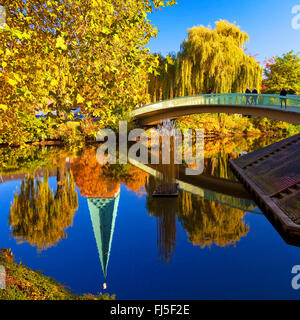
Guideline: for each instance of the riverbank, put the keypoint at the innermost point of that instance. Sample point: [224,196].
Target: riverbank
[23,283]
[75,134]
[222,125]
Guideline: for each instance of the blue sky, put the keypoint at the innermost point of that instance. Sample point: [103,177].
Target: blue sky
[268,23]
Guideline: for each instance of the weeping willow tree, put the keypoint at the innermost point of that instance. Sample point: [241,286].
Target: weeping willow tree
[210,60]
[40,217]
[162,83]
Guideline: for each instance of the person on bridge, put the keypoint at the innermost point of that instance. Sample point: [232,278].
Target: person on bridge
[283,93]
[254,97]
[247,96]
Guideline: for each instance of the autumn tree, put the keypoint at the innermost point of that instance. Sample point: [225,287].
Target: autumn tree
[282,72]
[56,55]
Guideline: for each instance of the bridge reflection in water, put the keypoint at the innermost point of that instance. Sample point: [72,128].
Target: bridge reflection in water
[230,191]
[268,106]
[208,217]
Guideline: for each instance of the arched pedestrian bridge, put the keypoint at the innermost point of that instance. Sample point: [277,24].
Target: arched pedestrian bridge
[261,105]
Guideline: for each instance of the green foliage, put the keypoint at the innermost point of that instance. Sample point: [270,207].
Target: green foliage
[162,82]
[282,72]
[30,158]
[210,60]
[16,128]
[71,134]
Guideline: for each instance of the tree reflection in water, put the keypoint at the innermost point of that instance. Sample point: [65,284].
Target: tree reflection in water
[93,179]
[205,222]
[209,223]
[96,180]
[40,217]
[218,151]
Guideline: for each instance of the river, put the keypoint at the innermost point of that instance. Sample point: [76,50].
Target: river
[98,229]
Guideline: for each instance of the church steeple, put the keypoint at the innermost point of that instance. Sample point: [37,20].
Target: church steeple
[103,212]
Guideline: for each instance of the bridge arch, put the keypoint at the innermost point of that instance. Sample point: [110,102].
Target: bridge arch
[268,106]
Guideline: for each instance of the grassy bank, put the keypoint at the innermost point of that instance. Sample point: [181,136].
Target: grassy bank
[22,283]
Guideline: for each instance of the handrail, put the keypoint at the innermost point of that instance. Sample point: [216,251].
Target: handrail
[250,99]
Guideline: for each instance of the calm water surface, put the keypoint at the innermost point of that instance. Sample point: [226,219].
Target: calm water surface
[85,225]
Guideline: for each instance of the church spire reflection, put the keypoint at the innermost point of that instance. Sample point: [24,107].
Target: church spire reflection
[103,212]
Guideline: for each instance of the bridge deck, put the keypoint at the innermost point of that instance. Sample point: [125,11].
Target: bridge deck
[270,106]
[272,175]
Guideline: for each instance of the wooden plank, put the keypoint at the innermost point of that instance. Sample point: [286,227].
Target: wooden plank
[272,176]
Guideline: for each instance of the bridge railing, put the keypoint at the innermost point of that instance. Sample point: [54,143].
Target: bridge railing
[233,99]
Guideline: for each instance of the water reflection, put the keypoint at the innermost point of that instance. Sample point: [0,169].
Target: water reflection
[165,210]
[205,222]
[100,184]
[219,151]
[40,216]
[96,180]
[208,223]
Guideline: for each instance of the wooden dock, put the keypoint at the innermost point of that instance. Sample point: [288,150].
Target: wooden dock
[272,176]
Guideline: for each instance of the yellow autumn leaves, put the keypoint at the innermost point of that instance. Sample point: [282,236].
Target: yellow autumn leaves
[56,55]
